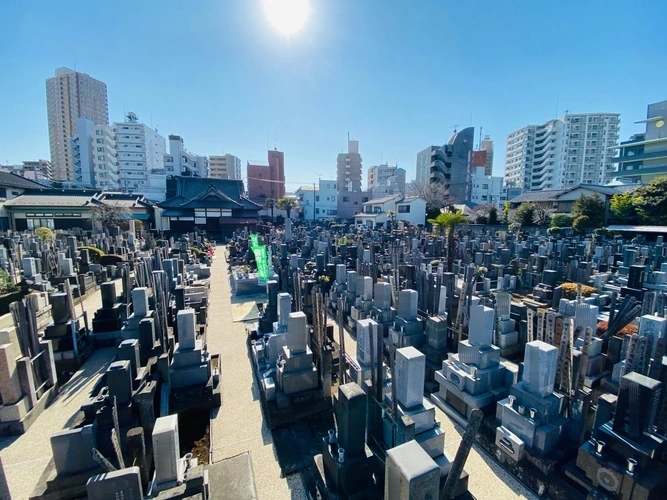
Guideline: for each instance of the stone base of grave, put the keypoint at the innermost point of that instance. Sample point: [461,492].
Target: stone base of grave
[196,396]
[26,418]
[463,402]
[195,485]
[535,472]
[52,487]
[70,361]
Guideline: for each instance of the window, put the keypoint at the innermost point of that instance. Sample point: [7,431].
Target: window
[333,198]
[485,186]
[404,209]
[317,210]
[101,157]
[363,200]
[98,132]
[346,198]
[99,141]
[317,198]
[99,150]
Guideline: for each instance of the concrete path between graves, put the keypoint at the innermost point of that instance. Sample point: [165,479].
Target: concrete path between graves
[25,457]
[238,426]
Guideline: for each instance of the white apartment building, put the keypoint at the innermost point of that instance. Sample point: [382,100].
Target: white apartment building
[563,152]
[486,189]
[95,156]
[71,95]
[180,161]
[318,203]
[225,167]
[141,152]
[384,180]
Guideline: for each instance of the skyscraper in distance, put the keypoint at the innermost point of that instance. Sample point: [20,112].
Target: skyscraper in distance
[71,95]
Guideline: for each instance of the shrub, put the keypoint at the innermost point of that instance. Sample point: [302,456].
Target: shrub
[554,231]
[570,290]
[197,252]
[7,285]
[95,253]
[561,220]
[45,234]
[110,260]
[582,223]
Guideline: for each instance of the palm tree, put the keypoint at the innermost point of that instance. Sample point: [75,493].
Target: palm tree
[287,204]
[449,221]
[391,216]
[270,203]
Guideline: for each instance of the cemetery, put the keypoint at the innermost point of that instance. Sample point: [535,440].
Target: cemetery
[380,362]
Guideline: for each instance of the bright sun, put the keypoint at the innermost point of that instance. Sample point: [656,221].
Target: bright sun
[287,16]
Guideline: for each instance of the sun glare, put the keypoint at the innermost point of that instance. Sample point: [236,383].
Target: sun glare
[287,16]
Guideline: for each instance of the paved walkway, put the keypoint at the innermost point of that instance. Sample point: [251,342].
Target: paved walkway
[25,457]
[238,425]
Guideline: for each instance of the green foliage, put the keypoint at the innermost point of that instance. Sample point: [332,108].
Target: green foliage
[482,219]
[604,232]
[651,202]
[506,212]
[197,252]
[344,240]
[448,221]
[591,207]
[524,215]
[7,285]
[493,216]
[95,253]
[561,220]
[582,223]
[624,207]
[110,260]
[287,204]
[554,231]
[45,234]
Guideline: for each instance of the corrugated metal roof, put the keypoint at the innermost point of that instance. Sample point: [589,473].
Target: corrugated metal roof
[10,179]
[639,229]
[546,195]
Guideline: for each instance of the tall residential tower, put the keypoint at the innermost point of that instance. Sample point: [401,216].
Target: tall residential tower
[69,96]
[563,152]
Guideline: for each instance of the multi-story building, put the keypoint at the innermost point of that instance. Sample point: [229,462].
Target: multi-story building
[562,152]
[644,156]
[424,162]
[267,179]
[348,168]
[71,95]
[319,202]
[486,189]
[95,156]
[38,170]
[225,167]
[348,177]
[180,161]
[384,180]
[450,164]
[487,146]
[141,152]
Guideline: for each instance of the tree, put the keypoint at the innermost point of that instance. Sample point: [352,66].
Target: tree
[652,202]
[524,215]
[287,204]
[561,220]
[542,214]
[624,207]
[45,234]
[391,217]
[270,203]
[493,216]
[590,206]
[506,212]
[448,221]
[582,223]
[435,194]
[109,214]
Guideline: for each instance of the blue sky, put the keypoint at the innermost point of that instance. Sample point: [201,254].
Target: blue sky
[395,74]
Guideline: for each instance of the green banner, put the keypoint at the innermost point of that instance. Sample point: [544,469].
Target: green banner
[261,258]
